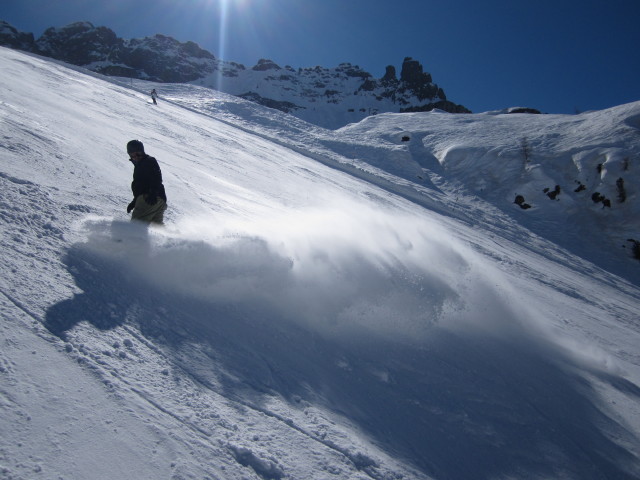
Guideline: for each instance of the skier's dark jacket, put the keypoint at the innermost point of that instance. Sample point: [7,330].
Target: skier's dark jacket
[147,179]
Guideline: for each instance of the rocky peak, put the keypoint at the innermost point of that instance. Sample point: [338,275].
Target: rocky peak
[352,71]
[79,43]
[264,65]
[412,73]
[159,57]
[164,59]
[413,79]
[168,46]
[13,38]
[390,75]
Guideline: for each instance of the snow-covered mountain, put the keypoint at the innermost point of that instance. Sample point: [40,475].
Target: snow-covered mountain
[366,303]
[329,97]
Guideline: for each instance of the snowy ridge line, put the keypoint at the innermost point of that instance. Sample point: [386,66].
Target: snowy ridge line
[398,186]
[60,63]
[387,181]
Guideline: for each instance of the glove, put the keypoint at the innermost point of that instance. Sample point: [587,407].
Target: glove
[151,198]
[131,206]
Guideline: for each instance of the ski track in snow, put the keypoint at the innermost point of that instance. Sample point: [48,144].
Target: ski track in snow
[320,305]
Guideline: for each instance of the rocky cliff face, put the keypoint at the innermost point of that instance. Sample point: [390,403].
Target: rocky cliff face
[11,37]
[158,58]
[329,97]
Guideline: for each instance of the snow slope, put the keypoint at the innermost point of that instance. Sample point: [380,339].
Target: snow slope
[320,304]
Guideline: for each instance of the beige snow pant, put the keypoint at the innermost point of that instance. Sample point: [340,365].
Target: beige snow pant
[149,213]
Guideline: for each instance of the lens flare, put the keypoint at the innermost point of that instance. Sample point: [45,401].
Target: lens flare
[222,37]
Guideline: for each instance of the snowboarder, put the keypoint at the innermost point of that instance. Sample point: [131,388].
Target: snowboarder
[149,198]
[154,95]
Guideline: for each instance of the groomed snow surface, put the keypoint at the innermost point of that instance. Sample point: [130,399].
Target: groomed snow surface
[366,303]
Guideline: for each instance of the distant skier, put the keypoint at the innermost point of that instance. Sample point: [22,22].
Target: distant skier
[154,95]
[149,198]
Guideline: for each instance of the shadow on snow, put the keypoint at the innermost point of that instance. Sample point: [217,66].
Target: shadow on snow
[455,405]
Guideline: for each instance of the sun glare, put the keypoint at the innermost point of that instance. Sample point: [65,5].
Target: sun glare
[224,7]
[236,26]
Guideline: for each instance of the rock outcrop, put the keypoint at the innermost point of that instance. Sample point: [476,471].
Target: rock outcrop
[329,97]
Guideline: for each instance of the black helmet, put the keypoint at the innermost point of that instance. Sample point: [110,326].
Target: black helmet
[135,146]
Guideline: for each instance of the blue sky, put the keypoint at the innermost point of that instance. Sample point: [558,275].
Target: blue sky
[559,56]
